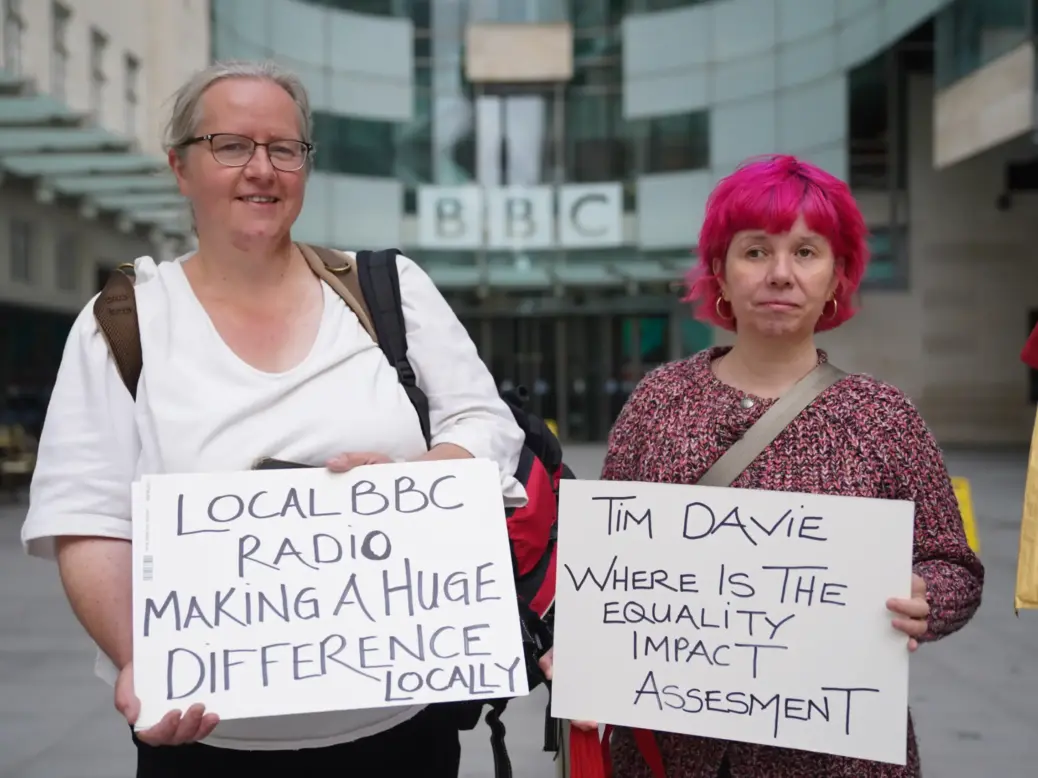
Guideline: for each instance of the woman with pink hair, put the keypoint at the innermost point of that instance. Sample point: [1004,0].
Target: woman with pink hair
[781,255]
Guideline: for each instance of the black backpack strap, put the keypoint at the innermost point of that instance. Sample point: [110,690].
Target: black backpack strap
[380,285]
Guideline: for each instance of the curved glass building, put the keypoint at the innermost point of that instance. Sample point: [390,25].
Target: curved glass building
[548,161]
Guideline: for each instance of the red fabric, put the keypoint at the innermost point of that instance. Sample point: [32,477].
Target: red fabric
[585,754]
[607,760]
[1030,353]
[529,527]
[650,749]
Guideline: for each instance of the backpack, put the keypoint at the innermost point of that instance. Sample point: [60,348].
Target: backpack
[370,286]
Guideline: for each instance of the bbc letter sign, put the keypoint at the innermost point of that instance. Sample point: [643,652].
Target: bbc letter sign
[517,218]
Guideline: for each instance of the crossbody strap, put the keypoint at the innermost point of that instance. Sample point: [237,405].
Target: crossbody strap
[339,271]
[769,426]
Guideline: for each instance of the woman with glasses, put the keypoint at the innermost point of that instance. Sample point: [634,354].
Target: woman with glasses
[249,354]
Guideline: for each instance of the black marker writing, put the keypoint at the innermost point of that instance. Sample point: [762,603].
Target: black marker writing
[806,586]
[698,701]
[188,671]
[225,509]
[701,522]
[405,497]
[323,549]
[627,579]
[233,606]
[619,518]
[425,588]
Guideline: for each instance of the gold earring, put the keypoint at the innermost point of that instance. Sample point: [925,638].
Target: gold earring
[836,307]
[717,307]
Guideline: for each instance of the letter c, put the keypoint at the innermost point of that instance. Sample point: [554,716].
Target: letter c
[574,215]
[432,494]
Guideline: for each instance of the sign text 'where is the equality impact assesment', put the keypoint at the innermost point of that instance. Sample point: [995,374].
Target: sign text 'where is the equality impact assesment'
[738,614]
[299,591]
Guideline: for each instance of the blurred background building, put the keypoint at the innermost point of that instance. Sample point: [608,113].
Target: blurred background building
[547,161]
[83,178]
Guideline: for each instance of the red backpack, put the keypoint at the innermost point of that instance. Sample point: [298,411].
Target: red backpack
[370,286]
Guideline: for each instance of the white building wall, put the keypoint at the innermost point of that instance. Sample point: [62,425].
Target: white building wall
[169,38]
[97,246]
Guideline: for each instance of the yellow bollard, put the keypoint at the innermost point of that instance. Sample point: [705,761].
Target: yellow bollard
[969,523]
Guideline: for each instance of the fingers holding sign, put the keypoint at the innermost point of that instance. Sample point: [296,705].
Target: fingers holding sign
[174,728]
[547,665]
[343,463]
[912,615]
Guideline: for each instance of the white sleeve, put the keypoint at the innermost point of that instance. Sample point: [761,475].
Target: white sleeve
[464,405]
[88,449]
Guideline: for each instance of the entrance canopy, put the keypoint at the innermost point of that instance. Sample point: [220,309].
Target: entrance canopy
[66,156]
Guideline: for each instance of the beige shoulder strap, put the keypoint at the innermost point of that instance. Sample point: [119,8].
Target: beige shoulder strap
[339,270]
[769,426]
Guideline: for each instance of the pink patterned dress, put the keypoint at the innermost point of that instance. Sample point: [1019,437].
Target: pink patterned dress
[860,438]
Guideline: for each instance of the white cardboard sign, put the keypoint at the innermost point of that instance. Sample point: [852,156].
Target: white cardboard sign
[745,615]
[298,591]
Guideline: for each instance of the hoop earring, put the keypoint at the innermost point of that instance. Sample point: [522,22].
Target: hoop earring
[836,308]
[717,307]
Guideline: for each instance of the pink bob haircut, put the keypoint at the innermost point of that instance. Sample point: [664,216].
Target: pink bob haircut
[769,193]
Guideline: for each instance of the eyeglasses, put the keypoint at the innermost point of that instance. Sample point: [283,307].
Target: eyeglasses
[236,150]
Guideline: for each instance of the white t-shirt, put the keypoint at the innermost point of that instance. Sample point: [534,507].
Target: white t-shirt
[200,408]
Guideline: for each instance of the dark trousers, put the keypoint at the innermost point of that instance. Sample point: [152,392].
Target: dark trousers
[426,745]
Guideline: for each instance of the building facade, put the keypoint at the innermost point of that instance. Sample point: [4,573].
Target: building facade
[84,86]
[548,162]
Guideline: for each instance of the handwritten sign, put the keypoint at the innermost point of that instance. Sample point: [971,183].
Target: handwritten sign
[728,613]
[299,591]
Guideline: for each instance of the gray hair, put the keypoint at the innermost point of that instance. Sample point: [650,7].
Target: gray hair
[186,114]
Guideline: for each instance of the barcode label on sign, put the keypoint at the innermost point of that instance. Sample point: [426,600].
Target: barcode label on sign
[149,567]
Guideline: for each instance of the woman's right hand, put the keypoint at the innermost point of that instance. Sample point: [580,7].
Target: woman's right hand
[547,665]
[174,729]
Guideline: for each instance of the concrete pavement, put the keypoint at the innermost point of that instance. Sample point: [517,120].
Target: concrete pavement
[975,696]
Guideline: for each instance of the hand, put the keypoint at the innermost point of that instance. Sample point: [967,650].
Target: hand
[342,463]
[174,729]
[913,614]
[547,665]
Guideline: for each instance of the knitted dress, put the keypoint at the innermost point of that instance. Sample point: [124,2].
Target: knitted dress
[860,438]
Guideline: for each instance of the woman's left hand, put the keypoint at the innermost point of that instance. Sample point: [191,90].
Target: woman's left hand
[345,462]
[912,614]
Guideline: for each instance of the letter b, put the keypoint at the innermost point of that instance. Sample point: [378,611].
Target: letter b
[519,218]
[449,223]
[367,489]
[405,485]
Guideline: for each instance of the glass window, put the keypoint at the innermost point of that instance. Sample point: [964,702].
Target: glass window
[346,144]
[972,33]
[131,96]
[66,264]
[660,5]
[679,142]
[869,122]
[598,137]
[60,16]
[888,263]
[98,48]
[593,15]
[378,7]
[14,25]
[21,251]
